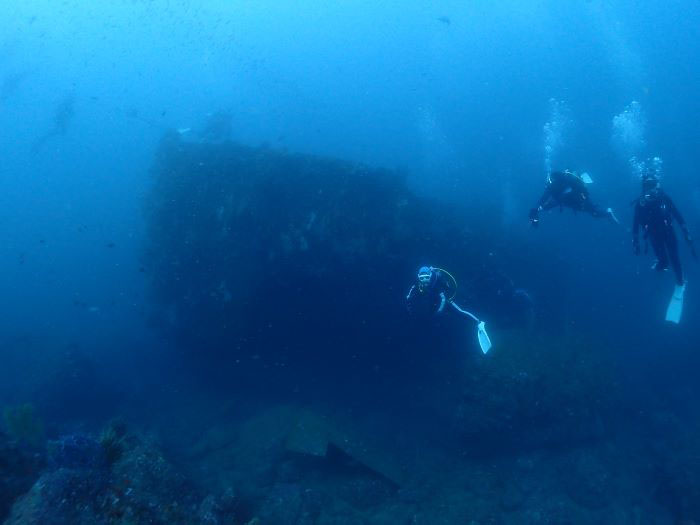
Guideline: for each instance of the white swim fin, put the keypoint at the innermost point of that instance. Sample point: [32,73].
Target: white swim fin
[484,341]
[675,307]
[586,178]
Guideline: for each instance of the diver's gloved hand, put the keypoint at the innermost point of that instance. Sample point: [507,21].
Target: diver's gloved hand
[635,246]
[534,217]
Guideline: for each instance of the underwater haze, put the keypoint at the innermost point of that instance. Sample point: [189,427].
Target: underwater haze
[213,213]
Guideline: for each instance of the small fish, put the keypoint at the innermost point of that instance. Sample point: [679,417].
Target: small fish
[444,19]
[110,245]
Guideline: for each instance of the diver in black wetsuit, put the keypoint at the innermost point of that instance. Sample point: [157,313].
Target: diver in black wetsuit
[654,213]
[431,293]
[568,189]
[435,289]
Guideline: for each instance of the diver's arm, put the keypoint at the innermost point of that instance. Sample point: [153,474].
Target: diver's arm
[410,292]
[442,302]
[409,302]
[546,196]
[679,218]
[674,211]
[535,212]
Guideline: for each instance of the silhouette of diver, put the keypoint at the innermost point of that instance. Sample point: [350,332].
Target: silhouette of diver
[654,213]
[434,289]
[568,189]
[61,119]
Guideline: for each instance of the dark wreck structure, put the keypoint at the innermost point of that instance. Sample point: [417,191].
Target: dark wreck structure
[297,259]
[281,273]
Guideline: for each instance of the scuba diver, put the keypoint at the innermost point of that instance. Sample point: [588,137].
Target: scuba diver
[568,189]
[435,289]
[654,213]
[62,118]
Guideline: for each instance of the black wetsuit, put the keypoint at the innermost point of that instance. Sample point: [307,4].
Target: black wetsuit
[566,189]
[430,298]
[655,217]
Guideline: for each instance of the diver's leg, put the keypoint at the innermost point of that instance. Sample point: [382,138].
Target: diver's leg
[464,312]
[588,207]
[672,247]
[598,212]
[659,245]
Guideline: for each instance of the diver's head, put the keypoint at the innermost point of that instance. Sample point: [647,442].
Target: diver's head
[425,276]
[650,187]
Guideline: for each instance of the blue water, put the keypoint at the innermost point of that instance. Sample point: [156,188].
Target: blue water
[472,103]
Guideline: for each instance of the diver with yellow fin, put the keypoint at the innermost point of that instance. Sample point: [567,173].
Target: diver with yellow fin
[435,288]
